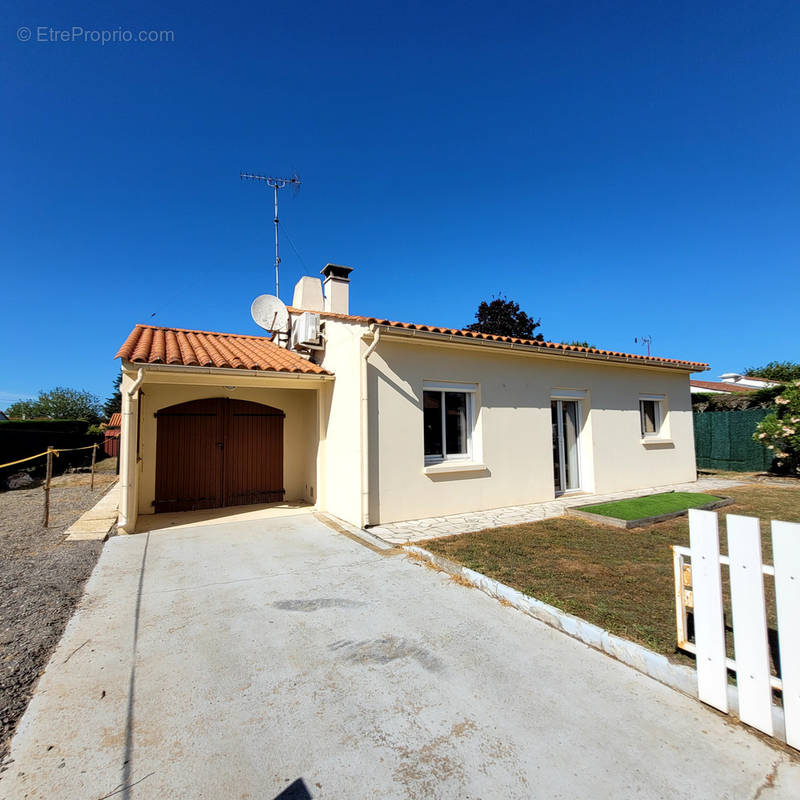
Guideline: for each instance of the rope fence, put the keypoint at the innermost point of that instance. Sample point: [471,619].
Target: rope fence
[49,450]
[49,453]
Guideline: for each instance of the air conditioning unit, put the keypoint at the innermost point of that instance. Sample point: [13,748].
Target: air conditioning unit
[305,331]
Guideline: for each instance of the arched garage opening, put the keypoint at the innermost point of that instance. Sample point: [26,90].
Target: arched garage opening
[218,452]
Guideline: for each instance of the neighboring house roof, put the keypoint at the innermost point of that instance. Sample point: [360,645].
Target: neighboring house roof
[753,379]
[716,386]
[735,377]
[148,344]
[567,349]
[115,421]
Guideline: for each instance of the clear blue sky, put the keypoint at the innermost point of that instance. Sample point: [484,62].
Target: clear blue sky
[619,169]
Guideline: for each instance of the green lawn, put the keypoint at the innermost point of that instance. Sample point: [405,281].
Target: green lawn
[619,579]
[651,506]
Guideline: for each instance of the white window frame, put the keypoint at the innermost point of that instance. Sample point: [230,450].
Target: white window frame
[658,399]
[470,389]
[577,396]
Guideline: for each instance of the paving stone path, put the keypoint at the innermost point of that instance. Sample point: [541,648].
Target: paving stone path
[437,527]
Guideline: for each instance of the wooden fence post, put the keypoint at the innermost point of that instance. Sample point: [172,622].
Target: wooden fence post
[49,475]
[94,457]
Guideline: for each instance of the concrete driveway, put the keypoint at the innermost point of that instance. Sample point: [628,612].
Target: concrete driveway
[250,659]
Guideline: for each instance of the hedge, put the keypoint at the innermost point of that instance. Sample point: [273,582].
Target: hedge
[20,438]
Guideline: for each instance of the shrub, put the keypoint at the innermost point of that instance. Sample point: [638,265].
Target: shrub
[782,371]
[758,398]
[779,432]
[23,438]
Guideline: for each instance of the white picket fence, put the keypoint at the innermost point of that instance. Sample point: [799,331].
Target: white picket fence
[698,585]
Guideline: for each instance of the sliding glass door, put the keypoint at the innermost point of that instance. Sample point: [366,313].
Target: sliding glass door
[565,416]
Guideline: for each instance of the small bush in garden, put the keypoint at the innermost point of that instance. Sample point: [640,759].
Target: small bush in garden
[757,398]
[780,431]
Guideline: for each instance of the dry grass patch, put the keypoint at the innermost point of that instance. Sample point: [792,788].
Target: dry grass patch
[618,579]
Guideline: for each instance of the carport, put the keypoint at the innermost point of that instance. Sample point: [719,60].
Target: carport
[212,420]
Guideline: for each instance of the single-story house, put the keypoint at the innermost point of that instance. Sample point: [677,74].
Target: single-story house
[375,421]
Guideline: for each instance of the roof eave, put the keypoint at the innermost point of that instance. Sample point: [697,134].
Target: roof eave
[392,331]
[134,366]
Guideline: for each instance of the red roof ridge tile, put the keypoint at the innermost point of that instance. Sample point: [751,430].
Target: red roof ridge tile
[195,330]
[698,365]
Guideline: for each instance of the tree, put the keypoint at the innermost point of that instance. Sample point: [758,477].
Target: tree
[59,403]
[114,403]
[780,431]
[503,317]
[580,343]
[781,371]
[22,409]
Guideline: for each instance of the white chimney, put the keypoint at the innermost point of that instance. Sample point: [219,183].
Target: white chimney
[337,288]
[308,294]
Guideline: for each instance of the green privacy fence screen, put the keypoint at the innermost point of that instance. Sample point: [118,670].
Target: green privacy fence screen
[724,440]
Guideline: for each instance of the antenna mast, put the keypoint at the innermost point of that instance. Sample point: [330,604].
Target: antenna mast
[275,184]
[646,340]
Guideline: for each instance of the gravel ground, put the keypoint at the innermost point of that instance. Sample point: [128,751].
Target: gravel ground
[41,581]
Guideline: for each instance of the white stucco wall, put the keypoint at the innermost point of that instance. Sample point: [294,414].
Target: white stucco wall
[340,437]
[513,432]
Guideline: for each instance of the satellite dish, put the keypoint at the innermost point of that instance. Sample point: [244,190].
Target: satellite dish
[270,313]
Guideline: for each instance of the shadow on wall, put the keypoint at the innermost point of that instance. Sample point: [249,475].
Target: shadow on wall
[438,477]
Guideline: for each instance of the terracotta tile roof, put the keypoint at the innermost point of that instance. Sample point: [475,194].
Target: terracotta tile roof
[695,366]
[716,386]
[115,421]
[148,344]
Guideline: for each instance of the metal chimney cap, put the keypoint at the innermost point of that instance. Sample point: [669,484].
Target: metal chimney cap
[336,271]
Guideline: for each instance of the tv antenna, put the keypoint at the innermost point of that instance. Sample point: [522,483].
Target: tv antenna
[275,184]
[646,340]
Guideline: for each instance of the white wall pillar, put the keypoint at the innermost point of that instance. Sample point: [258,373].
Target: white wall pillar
[128,446]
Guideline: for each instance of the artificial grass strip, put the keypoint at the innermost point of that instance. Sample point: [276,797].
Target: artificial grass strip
[651,506]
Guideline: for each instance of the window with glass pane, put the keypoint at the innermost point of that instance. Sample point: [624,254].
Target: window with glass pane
[455,406]
[447,419]
[432,407]
[650,413]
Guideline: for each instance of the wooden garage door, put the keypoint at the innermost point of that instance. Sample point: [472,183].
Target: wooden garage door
[218,452]
[253,453]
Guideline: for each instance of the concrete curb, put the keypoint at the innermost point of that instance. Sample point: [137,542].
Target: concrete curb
[360,535]
[654,665]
